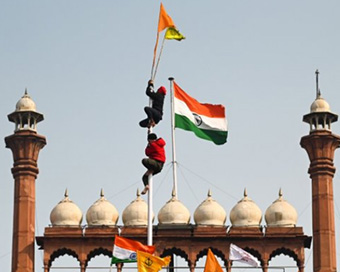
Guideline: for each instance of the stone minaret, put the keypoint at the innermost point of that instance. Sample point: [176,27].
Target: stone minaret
[25,144]
[320,145]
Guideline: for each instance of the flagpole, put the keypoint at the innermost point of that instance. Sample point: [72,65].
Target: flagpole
[150,204]
[174,162]
[159,58]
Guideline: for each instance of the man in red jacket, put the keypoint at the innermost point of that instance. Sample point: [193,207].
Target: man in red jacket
[156,158]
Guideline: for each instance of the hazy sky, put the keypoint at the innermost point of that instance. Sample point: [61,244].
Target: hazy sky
[86,65]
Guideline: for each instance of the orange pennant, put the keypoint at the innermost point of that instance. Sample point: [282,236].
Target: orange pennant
[165,20]
[211,264]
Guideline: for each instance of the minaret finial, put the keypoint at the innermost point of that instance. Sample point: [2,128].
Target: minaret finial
[174,196]
[318,93]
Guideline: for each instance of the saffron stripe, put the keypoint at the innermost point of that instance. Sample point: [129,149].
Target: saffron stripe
[201,121]
[208,110]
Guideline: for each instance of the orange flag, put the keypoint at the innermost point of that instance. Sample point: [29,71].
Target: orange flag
[165,20]
[211,264]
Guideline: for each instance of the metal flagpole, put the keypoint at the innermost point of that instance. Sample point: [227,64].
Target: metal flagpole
[150,202]
[174,162]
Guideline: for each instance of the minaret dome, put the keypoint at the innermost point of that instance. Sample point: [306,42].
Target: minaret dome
[25,115]
[320,116]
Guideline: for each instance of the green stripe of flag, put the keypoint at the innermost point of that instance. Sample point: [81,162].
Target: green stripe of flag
[115,260]
[218,137]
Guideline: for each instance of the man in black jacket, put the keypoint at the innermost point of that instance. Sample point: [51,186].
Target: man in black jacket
[155,112]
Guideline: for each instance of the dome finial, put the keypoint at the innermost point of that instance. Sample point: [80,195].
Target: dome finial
[173,194]
[209,193]
[26,91]
[138,193]
[280,193]
[66,193]
[245,194]
[318,93]
[101,192]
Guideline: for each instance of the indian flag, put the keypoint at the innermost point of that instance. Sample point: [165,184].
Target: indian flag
[207,121]
[125,250]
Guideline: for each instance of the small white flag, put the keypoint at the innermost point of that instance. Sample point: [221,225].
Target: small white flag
[238,254]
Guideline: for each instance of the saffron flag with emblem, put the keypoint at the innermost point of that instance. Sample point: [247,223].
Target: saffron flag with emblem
[125,250]
[207,121]
[149,263]
[173,34]
[211,264]
[240,255]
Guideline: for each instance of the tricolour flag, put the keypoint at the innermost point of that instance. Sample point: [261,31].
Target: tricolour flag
[240,255]
[207,121]
[149,263]
[211,264]
[125,250]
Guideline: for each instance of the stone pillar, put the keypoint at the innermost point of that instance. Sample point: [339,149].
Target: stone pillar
[192,267]
[82,267]
[46,268]
[320,146]
[25,146]
[301,268]
[229,264]
[119,267]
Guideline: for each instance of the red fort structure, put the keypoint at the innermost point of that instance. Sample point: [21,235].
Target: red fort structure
[174,235]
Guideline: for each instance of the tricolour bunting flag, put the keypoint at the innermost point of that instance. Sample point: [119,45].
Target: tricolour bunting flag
[125,250]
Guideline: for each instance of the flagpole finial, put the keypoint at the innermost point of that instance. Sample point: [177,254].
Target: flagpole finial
[171,78]
[318,93]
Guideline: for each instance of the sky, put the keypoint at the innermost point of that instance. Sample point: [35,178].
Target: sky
[86,65]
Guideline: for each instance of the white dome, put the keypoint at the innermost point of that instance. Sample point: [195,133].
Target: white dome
[245,213]
[136,213]
[174,212]
[320,105]
[209,212]
[66,213]
[102,212]
[281,214]
[25,103]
